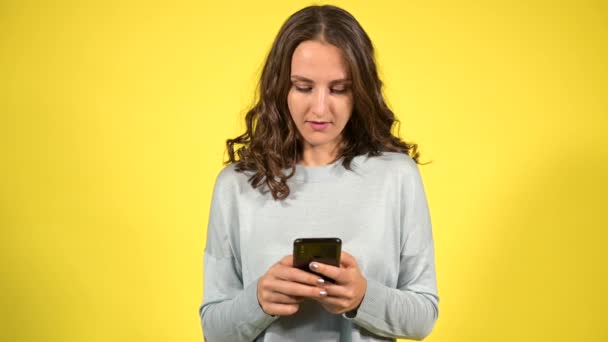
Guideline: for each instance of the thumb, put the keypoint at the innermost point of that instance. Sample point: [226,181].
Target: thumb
[347,260]
[287,260]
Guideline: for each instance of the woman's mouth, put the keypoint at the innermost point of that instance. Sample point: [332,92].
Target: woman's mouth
[318,125]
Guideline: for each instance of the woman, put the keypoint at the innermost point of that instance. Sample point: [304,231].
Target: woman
[318,159]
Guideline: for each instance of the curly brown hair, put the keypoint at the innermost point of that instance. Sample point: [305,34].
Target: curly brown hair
[272,144]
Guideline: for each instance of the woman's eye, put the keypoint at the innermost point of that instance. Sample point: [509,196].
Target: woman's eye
[303,89]
[338,90]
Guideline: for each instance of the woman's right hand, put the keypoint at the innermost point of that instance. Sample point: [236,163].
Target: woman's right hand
[282,288]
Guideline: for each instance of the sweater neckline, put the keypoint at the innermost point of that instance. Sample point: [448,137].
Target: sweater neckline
[305,174]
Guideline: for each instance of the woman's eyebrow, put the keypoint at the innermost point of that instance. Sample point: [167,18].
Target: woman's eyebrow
[308,80]
[341,81]
[301,78]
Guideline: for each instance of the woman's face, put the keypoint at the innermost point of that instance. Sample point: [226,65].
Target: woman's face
[320,99]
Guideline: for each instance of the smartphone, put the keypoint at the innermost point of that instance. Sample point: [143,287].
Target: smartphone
[323,250]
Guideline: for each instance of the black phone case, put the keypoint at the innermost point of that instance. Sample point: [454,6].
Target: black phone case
[323,250]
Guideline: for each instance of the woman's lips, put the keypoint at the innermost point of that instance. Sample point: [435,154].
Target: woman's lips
[318,125]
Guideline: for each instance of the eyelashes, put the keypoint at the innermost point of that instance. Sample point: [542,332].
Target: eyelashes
[303,89]
[332,90]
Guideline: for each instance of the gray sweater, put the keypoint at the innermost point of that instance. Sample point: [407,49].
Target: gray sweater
[378,209]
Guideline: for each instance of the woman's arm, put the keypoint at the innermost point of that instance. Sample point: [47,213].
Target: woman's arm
[230,312]
[230,309]
[411,309]
[406,312]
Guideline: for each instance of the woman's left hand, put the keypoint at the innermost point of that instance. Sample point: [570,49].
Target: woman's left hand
[349,288]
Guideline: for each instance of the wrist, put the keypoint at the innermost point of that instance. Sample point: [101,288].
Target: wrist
[353,312]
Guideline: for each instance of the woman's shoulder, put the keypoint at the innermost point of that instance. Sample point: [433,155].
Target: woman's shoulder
[230,178]
[398,169]
[396,162]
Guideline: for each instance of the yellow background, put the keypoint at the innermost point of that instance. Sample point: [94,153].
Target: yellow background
[113,121]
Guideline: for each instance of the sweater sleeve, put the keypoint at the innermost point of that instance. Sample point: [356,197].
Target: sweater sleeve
[411,309]
[230,309]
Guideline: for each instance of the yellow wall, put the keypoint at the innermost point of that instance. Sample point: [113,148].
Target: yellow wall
[114,116]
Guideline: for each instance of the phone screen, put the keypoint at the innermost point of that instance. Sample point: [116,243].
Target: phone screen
[323,250]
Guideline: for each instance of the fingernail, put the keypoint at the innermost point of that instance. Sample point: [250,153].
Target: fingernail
[314,265]
[321,281]
[323,293]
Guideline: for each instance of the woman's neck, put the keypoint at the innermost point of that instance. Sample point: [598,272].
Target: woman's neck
[319,155]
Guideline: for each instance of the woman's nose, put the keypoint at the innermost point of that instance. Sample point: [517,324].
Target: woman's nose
[320,105]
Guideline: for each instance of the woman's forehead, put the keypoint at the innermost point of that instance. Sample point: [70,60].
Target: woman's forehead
[319,61]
